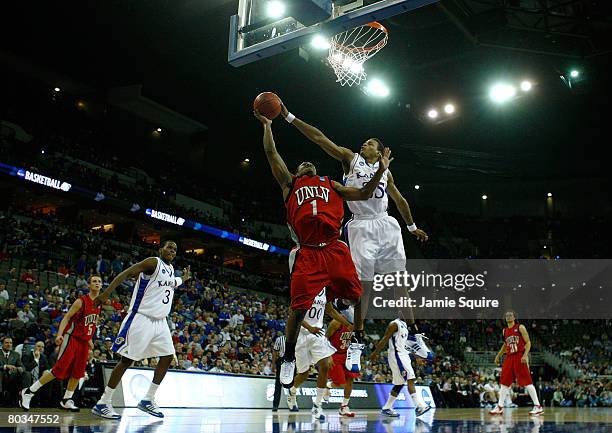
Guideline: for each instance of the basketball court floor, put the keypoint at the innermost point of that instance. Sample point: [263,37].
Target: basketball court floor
[555,420]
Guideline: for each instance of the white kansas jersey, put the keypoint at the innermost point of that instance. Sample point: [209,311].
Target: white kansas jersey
[399,340]
[314,316]
[153,294]
[360,173]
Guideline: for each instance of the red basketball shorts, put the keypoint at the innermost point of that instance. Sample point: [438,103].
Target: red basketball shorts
[514,369]
[72,358]
[314,268]
[338,373]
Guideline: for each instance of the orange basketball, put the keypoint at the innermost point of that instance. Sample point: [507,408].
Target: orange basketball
[268,104]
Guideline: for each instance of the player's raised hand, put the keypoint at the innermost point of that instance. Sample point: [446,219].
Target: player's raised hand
[186,273]
[263,119]
[420,235]
[284,111]
[384,158]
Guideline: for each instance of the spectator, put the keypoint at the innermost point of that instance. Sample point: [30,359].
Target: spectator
[11,372]
[26,315]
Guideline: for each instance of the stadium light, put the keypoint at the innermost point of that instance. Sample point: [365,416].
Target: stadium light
[57,89]
[549,194]
[247,160]
[275,9]
[574,73]
[526,85]
[449,108]
[417,187]
[484,197]
[432,114]
[159,130]
[502,92]
[320,42]
[377,88]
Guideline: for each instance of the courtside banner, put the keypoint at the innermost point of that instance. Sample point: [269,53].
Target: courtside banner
[486,289]
[211,390]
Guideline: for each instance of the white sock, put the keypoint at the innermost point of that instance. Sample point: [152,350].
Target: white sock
[151,393]
[417,400]
[390,401]
[319,397]
[503,393]
[533,394]
[68,394]
[345,401]
[107,397]
[35,386]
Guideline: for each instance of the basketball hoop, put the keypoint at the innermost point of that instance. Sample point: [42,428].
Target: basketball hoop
[350,49]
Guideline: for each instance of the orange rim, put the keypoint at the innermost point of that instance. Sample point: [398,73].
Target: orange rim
[378,46]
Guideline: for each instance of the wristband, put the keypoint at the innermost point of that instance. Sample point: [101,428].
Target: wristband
[290,117]
[412,227]
[179,281]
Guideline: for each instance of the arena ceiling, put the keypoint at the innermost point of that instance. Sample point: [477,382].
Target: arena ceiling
[177,50]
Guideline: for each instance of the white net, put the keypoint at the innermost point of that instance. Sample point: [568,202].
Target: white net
[349,51]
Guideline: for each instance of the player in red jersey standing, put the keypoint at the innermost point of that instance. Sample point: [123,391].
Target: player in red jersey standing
[516,364]
[340,336]
[315,209]
[74,338]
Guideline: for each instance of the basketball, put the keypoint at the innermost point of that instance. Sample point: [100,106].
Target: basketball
[268,104]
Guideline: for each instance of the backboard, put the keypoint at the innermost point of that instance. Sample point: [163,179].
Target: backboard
[264,28]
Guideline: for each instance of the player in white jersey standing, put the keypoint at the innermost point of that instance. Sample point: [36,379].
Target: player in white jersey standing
[374,237]
[313,348]
[401,366]
[144,332]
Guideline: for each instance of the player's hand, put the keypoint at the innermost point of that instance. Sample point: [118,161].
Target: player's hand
[314,330]
[186,273]
[284,111]
[497,360]
[263,119]
[59,340]
[525,359]
[420,235]
[384,158]
[91,345]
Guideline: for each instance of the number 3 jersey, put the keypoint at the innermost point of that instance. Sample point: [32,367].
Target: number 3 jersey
[153,294]
[359,174]
[314,211]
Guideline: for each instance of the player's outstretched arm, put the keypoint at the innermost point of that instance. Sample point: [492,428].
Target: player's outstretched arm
[315,135]
[279,168]
[391,329]
[365,192]
[74,308]
[404,209]
[147,266]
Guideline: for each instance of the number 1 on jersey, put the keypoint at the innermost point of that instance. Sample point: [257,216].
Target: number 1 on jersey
[314,207]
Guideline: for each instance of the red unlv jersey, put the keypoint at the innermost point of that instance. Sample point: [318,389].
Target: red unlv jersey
[314,211]
[515,344]
[83,324]
[341,339]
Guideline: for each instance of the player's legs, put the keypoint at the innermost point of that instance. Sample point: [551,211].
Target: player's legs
[308,277]
[104,407]
[26,394]
[348,388]
[505,382]
[387,409]
[523,376]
